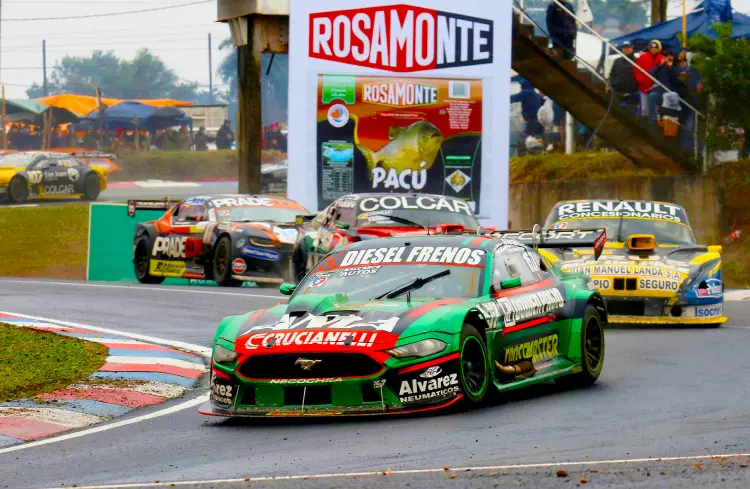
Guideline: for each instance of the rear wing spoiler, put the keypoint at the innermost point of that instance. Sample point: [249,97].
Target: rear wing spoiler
[558,238]
[149,205]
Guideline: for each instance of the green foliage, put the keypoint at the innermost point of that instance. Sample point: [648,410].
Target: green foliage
[145,76]
[34,362]
[724,66]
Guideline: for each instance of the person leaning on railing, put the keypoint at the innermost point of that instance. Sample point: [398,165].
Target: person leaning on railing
[622,77]
[652,57]
[562,28]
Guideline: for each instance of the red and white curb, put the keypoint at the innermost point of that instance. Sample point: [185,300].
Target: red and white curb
[136,374]
[169,184]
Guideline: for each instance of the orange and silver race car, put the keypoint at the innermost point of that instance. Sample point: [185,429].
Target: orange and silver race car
[227,238]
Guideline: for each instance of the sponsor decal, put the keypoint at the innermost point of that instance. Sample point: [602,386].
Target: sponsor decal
[131,208]
[240,243]
[378,384]
[519,308]
[225,213]
[431,372]
[644,210]
[347,202]
[51,176]
[708,311]
[602,283]
[73,174]
[656,284]
[537,350]
[242,201]
[627,269]
[425,203]
[317,282]
[415,390]
[221,392]
[338,115]
[491,313]
[308,321]
[177,247]
[367,215]
[561,225]
[452,255]
[400,94]
[267,255]
[458,180]
[159,267]
[307,381]
[400,38]
[361,339]
[34,177]
[59,189]
[713,288]
[239,266]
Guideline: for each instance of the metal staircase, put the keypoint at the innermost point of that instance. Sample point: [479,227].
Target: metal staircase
[586,96]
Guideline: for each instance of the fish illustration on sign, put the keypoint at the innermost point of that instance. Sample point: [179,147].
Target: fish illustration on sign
[414,148]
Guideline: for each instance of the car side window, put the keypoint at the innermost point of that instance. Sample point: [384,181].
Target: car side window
[43,165]
[192,213]
[513,265]
[346,214]
[330,217]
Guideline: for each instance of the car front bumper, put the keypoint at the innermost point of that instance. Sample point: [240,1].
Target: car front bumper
[658,310]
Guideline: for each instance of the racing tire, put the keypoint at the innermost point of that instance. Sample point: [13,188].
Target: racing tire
[474,367]
[17,190]
[222,264]
[299,265]
[91,188]
[592,351]
[142,262]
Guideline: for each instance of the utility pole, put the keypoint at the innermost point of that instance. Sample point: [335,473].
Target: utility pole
[658,11]
[1,38]
[210,71]
[44,66]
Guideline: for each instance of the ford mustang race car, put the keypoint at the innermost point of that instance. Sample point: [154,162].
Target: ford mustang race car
[44,175]
[652,271]
[365,216]
[406,324]
[227,238]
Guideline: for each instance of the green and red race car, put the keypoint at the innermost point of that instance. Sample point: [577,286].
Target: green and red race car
[407,324]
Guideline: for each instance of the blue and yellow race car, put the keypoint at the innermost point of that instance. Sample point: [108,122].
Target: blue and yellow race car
[651,271]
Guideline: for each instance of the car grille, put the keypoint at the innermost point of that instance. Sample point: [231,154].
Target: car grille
[625,308]
[308,395]
[330,365]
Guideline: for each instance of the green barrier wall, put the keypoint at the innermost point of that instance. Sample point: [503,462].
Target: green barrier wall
[111,245]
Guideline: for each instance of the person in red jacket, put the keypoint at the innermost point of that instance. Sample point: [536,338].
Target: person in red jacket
[647,61]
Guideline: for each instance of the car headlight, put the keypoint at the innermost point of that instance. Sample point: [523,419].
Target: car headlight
[422,348]
[224,355]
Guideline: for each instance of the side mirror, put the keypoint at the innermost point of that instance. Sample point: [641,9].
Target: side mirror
[510,283]
[287,289]
[342,225]
[715,249]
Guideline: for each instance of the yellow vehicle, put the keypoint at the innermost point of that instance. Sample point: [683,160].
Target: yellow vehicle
[48,175]
[651,270]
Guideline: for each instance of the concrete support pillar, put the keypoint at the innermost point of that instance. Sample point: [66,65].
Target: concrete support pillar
[249,125]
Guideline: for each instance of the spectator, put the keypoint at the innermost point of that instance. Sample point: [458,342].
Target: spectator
[562,27]
[14,137]
[622,76]
[665,73]
[646,62]
[531,102]
[183,139]
[201,140]
[57,140]
[689,89]
[224,136]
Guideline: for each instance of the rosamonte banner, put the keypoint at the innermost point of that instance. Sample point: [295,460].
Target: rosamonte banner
[378,134]
[388,96]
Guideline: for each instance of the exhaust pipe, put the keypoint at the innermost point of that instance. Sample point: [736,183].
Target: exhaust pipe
[524,367]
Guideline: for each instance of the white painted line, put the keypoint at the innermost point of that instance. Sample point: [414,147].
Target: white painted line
[51,415]
[201,350]
[106,427]
[138,287]
[175,362]
[116,341]
[411,471]
[737,295]
[144,387]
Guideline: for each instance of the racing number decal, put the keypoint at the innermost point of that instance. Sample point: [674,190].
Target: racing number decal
[35,177]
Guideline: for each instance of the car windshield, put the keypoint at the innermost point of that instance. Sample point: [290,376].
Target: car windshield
[270,214]
[373,282]
[666,232]
[19,160]
[428,219]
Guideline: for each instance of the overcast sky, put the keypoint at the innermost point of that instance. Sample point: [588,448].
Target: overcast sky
[178,36]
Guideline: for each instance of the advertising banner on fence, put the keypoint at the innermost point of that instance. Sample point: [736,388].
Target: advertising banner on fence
[389,134]
[400,97]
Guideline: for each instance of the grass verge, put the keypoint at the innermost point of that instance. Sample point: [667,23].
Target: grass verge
[34,362]
[46,241]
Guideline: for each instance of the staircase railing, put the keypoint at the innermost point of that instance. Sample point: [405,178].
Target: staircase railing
[610,46]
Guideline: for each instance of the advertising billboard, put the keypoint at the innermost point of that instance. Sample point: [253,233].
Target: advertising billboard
[408,97]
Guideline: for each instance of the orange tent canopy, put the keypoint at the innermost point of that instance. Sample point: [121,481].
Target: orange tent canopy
[83,105]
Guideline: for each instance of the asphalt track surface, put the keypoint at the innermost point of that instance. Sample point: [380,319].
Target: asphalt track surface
[663,393]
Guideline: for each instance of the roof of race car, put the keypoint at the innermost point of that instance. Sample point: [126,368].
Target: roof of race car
[391,194]
[229,200]
[472,241]
[616,208]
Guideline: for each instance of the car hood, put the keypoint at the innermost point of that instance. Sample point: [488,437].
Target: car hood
[666,271]
[275,232]
[331,321]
